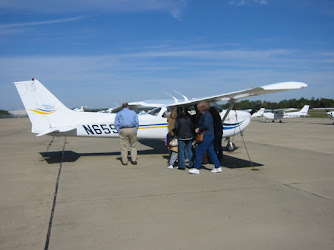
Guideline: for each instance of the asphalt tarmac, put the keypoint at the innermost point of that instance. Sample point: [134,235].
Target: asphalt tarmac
[85,199]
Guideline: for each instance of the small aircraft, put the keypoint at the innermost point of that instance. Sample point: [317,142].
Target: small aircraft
[280,114]
[258,113]
[328,112]
[49,116]
[81,109]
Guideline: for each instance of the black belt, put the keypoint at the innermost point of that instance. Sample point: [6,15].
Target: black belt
[127,127]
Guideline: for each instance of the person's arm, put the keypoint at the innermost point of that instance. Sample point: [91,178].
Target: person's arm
[117,122]
[136,122]
[204,123]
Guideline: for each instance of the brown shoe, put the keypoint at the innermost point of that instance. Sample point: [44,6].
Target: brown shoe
[134,162]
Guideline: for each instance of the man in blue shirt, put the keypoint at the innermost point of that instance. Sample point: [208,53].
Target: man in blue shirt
[127,124]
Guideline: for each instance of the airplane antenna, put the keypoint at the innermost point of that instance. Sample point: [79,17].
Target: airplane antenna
[175,99]
[185,98]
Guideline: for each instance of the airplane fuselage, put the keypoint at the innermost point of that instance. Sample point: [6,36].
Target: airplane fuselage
[150,126]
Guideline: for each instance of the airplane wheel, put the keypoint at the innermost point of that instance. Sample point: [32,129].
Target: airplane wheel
[230,146]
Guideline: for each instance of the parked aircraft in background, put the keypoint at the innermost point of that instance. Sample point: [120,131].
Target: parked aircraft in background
[82,109]
[280,114]
[258,113]
[49,116]
[109,110]
[328,112]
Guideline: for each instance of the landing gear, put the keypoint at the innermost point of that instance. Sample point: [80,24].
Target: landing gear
[230,146]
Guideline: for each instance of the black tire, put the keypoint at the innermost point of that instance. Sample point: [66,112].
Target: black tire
[230,146]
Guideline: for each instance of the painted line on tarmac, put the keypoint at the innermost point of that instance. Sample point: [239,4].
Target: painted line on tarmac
[47,242]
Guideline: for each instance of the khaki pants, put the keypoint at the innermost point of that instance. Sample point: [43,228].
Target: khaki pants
[128,137]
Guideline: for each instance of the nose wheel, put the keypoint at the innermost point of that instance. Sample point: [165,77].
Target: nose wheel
[230,146]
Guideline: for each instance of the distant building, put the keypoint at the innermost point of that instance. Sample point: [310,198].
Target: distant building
[18,113]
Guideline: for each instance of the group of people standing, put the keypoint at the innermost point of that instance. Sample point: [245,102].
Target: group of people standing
[183,127]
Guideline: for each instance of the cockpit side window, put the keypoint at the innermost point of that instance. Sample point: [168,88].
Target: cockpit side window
[154,112]
[167,113]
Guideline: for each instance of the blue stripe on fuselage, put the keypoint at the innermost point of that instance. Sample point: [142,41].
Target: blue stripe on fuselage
[227,126]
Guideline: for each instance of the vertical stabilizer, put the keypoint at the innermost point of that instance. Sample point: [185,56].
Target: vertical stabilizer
[304,110]
[43,108]
[259,113]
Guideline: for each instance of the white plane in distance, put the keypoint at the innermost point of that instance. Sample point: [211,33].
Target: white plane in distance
[280,114]
[328,112]
[49,116]
[258,113]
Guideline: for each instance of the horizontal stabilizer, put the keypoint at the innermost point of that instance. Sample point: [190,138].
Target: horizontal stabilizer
[56,130]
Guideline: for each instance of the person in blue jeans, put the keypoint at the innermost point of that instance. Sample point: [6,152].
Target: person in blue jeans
[205,126]
[184,130]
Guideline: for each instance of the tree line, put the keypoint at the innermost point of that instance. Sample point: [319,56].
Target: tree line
[291,103]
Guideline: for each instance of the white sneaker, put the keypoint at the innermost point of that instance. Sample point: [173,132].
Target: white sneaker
[194,171]
[216,170]
[170,167]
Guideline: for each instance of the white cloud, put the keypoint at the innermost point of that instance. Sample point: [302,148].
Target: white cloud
[262,2]
[247,2]
[17,25]
[172,7]
[96,80]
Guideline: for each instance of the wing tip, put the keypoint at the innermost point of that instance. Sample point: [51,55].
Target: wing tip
[285,86]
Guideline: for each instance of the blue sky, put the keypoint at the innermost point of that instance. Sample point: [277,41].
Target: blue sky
[103,52]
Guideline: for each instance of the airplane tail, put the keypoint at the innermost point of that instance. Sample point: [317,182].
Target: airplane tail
[259,113]
[45,111]
[304,110]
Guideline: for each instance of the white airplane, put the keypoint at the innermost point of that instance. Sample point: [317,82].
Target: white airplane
[82,109]
[49,116]
[258,113]
[280,114]
[328,112]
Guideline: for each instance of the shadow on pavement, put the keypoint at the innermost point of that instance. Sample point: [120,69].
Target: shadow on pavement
[70,156]
[232,162]
[156,147]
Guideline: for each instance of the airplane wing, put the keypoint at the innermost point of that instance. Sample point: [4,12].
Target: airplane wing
[132,105]
[234,96]
[148,103]
[324,108]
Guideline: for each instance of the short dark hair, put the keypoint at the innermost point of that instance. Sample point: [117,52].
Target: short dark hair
[179,111]
[125,105]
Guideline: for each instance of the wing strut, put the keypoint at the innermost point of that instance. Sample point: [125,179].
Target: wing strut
[232,102]
[175,99]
